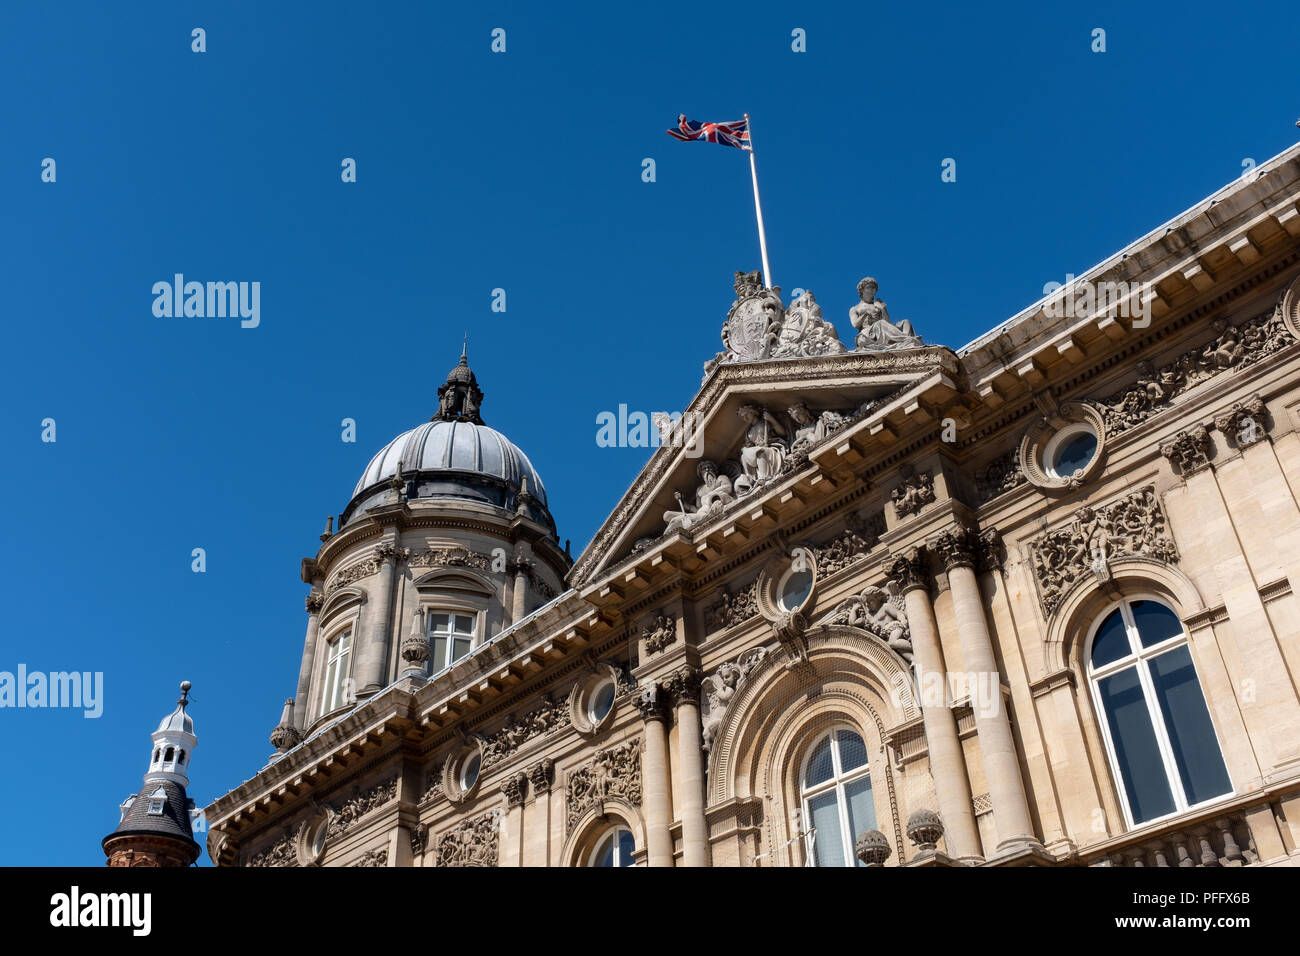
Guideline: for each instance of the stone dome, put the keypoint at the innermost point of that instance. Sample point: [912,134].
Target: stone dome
[453,446]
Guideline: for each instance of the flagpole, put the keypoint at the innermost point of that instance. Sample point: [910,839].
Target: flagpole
[758,208]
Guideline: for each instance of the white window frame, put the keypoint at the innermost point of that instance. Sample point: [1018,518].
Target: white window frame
[452,634]
[838,779]
[333,684]
[613,834]
[1141,657]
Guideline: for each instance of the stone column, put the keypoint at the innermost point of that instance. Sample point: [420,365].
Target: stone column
[314,602]
[373,675]
[654,777]
[540,776]
[514,788]
[958,548]
[522,561]
[947,762]
[684,689]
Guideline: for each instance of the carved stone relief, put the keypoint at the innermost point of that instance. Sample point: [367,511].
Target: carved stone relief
[718,689]
[349,811]
[612,772]
[882,612]
[660,634]
[915,492]
[1189,451]
[475,842]
[1135,524]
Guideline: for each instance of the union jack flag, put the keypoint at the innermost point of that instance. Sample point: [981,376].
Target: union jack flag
[726,134]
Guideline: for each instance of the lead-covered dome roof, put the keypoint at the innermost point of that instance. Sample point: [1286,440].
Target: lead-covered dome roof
[454,456]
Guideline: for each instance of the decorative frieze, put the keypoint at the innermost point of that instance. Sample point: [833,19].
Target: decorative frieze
[1135,524]
[916,491]
[660,634]
[1001,474]
[353,573]
[613,772]
[452,557]
[374,857]
[851,545]
[1189,451]
[551,716]
[475,842]
[731,609]
[1233,346]
[280,853]
[355,807]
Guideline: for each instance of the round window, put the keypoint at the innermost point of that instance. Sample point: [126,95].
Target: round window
[469,772]
[795,587]
[602,701]
[1070,451]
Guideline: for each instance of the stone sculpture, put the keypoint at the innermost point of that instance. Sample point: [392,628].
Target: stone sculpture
[714,493]
[876,331]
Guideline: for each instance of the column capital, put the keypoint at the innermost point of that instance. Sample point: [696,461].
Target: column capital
[990,553]
[956,547]
[541,774]
[315,601]
[514,787]
[388,552]
[683,685]
[652,702]
[910,569]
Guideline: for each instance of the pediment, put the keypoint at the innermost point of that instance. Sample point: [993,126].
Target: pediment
[752,452]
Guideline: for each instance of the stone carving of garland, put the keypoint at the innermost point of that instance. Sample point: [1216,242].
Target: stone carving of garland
[1233,347]
[850,545]
[612,772]
[474,842]
[356,807]
[1135,524]
[732,608]
[280,853]
[548,718]
[374,858]
[1001,474]
[451,558]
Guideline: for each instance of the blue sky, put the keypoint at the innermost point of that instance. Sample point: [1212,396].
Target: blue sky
[475,171]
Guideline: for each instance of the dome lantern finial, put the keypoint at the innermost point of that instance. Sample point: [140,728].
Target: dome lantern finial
[459,398]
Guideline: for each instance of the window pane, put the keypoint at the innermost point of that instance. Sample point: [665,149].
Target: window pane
[1075,454]
[604,855]
[853,752]
[439,622]
[828,848]
[460,647]
[626,844]
[345,641]
[1155,622]
[439,653]
[1136,752]
[464,625]
[602,701]
[796,589]
[862,809]
[1187,720]
[819,767]
[1111,642]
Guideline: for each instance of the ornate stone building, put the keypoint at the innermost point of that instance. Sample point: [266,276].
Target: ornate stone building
[1028,602]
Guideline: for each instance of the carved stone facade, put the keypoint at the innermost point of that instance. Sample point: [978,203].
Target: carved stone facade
[612,773]
[832,567]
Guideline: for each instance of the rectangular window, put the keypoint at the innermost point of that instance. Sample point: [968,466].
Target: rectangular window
[337,665]
[451,636]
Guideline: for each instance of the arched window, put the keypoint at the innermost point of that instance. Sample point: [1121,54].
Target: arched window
[169,755]
[1158,731]
[614,849]
[835,789]
[337,663]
